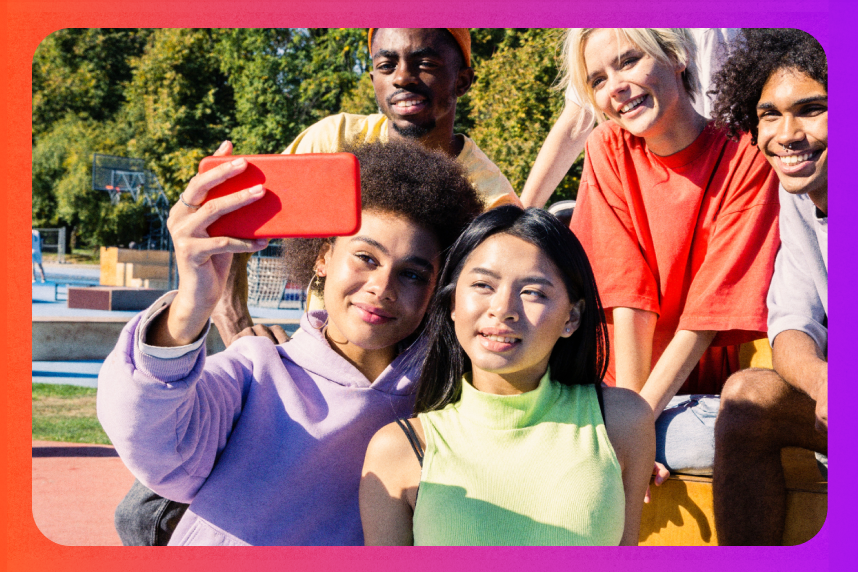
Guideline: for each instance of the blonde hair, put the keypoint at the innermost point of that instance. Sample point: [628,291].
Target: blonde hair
[667,45]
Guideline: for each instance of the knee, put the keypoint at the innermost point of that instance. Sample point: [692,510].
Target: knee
[749,404]
[758,388]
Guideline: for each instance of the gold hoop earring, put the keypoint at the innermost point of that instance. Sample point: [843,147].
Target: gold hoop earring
[310,297]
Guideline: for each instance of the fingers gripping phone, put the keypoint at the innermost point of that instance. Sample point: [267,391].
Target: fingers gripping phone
[311,195]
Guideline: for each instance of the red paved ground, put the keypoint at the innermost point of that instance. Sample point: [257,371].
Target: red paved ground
[75,490]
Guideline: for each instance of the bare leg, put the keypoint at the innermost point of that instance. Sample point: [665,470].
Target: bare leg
[760,414]
[231,314]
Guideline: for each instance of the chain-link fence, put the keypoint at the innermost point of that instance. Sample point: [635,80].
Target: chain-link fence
[54,240]
[267,284]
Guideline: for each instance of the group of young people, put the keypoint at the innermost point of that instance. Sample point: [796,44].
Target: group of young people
[477,373]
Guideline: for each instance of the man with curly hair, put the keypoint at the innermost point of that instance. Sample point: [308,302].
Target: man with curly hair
[775,86]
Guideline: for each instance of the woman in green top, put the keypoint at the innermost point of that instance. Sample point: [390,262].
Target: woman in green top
[523,445]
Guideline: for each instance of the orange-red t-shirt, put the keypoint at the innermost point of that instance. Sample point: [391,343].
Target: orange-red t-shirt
[691,237]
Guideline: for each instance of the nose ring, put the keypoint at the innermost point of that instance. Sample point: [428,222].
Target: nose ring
[787,147]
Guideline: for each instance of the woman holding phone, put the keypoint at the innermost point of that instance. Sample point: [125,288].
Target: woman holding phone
[266,441]
[516,442]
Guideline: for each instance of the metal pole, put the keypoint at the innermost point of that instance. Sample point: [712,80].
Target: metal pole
[61,246]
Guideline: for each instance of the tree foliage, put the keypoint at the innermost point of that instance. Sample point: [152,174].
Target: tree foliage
[512,107]
[336,60]
[79,79]
[180,104]
[82,72]
[170,96]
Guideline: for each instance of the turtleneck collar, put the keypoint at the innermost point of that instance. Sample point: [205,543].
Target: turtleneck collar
[507,411]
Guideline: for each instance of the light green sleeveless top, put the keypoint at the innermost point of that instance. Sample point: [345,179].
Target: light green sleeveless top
[529,469]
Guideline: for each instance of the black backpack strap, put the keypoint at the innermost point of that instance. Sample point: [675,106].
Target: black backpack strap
[406,426]
[601,399]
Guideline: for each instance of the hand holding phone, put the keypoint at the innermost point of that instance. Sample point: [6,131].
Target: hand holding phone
[310,195]
[203,261]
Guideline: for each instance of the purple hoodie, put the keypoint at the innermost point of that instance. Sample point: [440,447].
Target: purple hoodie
[266,442]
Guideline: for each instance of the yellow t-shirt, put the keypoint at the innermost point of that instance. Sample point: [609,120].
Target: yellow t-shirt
[331,133]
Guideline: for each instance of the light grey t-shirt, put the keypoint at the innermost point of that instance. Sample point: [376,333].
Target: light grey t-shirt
[798,295]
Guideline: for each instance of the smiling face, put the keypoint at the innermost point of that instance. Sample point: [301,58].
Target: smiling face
[417,74]
[643,95]
[378,284]
[793,132]
[510,308]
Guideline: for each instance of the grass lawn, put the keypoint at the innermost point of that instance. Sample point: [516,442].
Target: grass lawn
[77,256]
[66,413]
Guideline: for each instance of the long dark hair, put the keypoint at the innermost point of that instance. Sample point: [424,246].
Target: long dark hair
[577,360]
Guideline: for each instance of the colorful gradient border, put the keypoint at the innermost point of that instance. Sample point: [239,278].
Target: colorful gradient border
[25,23]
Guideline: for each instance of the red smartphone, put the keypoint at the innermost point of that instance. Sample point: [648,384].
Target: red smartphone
[311,195]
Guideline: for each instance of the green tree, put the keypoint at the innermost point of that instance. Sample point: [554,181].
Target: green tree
[513,107]
[361,98]
[78,90]
[62,179]
[336,60]
[180,105]
[485,42]
[82,72]
[285,80]
[260,66]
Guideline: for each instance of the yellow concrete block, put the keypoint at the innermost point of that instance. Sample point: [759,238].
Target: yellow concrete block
[143,256]
[679,514]
[145,270]
[121,266]
[681,511]
[756,354]
[108,260]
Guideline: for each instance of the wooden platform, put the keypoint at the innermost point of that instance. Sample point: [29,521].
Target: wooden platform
[681,514]
[134,268]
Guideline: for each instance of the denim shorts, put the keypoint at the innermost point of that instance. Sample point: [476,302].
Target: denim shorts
[685,434]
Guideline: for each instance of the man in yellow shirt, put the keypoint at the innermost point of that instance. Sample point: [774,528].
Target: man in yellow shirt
[418,75]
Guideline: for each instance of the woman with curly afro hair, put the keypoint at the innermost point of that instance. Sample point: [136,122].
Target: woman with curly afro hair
[265,441]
